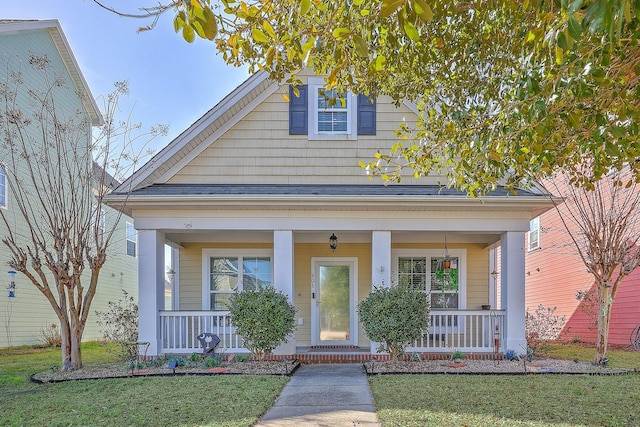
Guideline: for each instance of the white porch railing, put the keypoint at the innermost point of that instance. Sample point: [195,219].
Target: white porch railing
[463,330]
[179,331]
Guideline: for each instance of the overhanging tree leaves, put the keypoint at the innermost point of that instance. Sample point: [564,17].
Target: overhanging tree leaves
[58,176]
[508,91]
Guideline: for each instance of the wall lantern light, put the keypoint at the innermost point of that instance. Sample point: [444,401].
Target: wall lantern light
[171,274]
[12,284]
[333,242]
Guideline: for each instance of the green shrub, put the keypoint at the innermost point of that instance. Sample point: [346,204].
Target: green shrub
[119,324]
[212,362]
[263,318]
[395,317]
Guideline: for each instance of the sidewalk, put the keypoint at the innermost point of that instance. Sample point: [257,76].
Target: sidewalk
[324,395]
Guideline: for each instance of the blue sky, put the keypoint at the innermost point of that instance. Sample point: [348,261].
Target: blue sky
[170,81]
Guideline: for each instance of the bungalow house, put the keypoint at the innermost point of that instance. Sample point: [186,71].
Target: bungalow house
[266,188]
[555,275]
[26,313]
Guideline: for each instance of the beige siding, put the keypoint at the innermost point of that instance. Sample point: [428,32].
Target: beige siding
[259,149]
[191,275]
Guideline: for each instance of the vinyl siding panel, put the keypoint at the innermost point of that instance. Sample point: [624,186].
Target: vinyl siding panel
[30,311]
[259,148]
[555,273]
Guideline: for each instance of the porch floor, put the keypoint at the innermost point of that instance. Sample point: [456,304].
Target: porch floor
[354,354]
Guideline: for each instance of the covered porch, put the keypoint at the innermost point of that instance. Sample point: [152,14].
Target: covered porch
[489,306]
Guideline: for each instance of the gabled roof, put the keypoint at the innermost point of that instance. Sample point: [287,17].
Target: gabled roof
[62,45]
[149,186]
[195,139]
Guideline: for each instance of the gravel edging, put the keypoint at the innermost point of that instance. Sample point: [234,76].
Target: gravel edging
[491,367]
[271,368]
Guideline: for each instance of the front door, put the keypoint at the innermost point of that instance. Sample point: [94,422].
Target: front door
[333,302]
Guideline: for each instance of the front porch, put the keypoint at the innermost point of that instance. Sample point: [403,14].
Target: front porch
[469,331]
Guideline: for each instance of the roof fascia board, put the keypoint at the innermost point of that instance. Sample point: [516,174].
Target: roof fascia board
[135,180]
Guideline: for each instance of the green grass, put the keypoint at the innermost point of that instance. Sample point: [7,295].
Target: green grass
[532,401]
[17,363]
[617,358]
[237,400]
[482,400]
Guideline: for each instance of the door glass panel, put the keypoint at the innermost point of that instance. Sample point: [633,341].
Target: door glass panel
[335,318]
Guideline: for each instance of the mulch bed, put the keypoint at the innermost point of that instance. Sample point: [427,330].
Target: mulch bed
[492,367]
[288,367]
[120,370]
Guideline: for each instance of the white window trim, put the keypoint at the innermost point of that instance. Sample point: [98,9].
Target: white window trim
[315,83]
[461,254]
[532,247]
[3,169]
[127,239]
[208,253]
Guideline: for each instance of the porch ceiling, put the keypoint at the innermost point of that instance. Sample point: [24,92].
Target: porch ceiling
[322,236]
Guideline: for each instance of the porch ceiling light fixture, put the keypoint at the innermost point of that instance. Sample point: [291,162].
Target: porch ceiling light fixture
[333,242]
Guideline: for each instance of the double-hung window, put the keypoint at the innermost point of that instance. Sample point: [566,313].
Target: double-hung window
[229,270]
[331,114]
[534,234]
[3,186]
[132,240]
[441,275]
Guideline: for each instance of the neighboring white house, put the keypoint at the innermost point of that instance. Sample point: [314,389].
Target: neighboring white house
[253,191]
[23,317]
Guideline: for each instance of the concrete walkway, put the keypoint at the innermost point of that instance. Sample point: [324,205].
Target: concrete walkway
[324,395]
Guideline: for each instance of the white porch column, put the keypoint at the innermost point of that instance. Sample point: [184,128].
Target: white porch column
[381,258]
[513,292]
[380,265]
[150,288]
[283,277]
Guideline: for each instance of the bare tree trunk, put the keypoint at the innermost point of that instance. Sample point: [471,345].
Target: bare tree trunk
[65,344]
[604,311]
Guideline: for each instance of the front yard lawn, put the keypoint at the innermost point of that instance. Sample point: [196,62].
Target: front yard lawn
[532,401]
[237,400]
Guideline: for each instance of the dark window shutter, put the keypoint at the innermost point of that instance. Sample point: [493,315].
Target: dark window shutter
[298,105]
[366,115]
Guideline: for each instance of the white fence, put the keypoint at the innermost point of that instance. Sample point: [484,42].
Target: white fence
[463,330]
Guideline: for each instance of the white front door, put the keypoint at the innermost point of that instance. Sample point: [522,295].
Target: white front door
[333,299]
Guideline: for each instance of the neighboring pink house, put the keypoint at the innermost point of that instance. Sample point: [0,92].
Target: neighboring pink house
[554,274]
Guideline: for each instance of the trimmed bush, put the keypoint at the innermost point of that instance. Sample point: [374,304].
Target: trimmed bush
[395,317]
[263,318]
